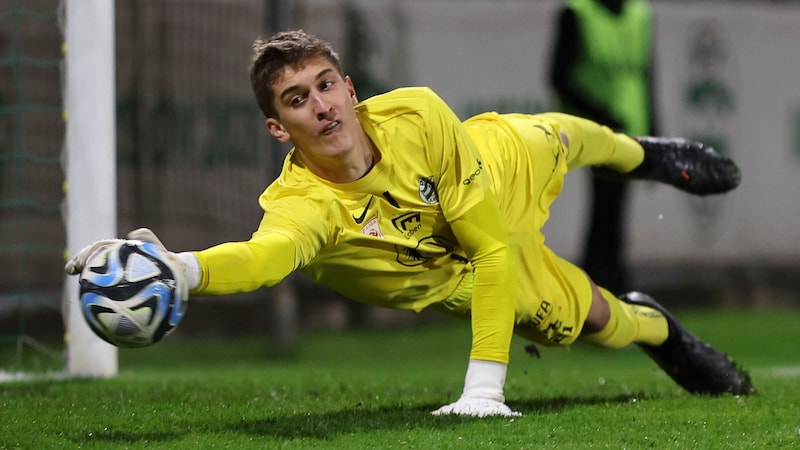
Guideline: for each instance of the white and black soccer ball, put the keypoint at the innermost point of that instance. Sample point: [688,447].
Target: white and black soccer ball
[128,294]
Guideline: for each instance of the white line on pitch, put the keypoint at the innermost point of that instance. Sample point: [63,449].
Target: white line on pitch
[779,371]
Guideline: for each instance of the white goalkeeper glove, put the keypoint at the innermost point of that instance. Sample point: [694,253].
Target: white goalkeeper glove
[76,264]
[184,265]
[483,392]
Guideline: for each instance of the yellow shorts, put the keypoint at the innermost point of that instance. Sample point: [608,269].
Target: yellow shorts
[553,295]
[551,312]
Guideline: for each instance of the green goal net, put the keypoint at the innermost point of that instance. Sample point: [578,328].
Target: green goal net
[32,234]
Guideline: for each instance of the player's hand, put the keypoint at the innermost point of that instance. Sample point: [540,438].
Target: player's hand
[483,392]
[476,407]
[183,265]
[76,264]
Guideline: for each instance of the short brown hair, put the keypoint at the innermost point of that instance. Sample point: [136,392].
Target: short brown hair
[285,49]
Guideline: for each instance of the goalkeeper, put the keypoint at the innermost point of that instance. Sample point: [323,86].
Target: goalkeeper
[395,202]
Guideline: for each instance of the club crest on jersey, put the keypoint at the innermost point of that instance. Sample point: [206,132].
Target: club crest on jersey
[371,228]
[427,191]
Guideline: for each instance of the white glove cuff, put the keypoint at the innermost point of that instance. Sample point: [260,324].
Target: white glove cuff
[191,267]
[485,379]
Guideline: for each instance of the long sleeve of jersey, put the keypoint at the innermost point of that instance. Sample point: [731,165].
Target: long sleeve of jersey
[481,232]
[475,218]
[235,267]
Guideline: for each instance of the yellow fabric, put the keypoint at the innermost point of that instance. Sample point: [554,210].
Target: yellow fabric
[481,233]
[629,324]
[444,200]
[528,157]
[245,266]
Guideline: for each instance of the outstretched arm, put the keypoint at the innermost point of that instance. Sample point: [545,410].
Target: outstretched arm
[228,268]
[481,233]
[474,215]
[235,267]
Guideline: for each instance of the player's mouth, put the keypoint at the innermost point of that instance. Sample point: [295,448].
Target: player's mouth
[329,128]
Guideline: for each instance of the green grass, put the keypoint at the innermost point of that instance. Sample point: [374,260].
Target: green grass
[375,390]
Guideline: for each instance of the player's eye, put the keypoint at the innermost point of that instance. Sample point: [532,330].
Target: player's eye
[325,85]
[297,100]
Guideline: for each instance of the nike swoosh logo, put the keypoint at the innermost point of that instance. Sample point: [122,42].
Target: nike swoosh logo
[363,215]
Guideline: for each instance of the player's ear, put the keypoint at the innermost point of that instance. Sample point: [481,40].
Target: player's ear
[277,131]
[351,89]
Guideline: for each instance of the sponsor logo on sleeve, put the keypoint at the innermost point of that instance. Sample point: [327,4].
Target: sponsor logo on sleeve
[427,191]
[471,177]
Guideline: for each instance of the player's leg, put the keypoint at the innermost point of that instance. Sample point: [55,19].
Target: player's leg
[615,324]
[690,166]
[556,299]
[554,295]
[692,363]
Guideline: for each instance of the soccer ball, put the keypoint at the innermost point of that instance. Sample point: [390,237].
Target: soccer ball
[128,294]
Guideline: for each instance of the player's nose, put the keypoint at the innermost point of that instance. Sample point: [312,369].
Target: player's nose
[322,108]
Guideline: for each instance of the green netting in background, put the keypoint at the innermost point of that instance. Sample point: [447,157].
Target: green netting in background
[32,236]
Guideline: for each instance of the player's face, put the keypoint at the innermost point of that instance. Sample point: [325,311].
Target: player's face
[315,110]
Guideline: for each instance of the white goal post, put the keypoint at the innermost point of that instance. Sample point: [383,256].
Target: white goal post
[90,211]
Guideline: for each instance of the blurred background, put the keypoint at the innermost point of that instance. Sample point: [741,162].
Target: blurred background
[193,154]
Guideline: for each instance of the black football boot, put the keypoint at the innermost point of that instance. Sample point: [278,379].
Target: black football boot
[687,165]
[691,362]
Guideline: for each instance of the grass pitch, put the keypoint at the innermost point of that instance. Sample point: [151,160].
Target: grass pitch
[375,389]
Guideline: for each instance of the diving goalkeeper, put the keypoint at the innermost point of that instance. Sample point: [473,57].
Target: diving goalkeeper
[395,202]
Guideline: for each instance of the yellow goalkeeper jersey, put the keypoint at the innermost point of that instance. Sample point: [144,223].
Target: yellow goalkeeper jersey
[388,238]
